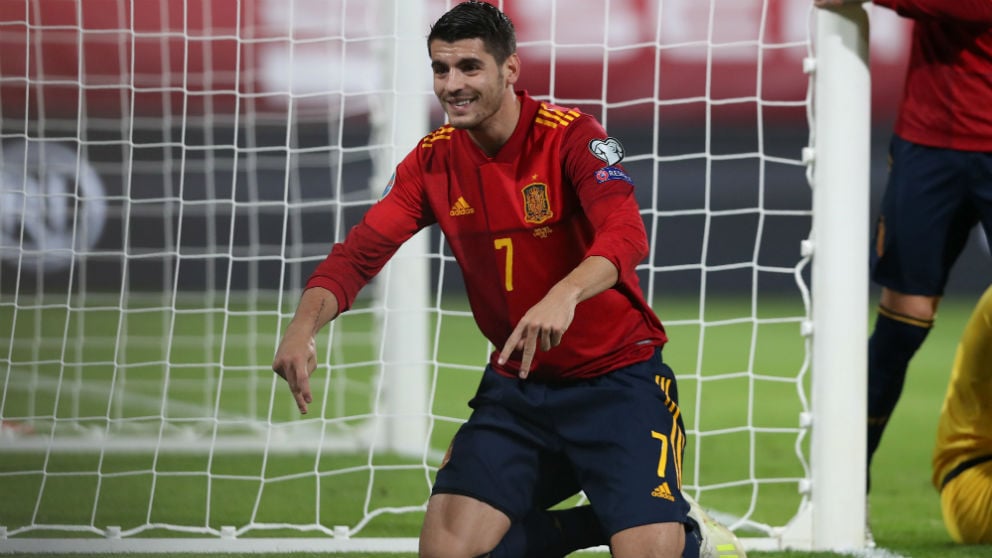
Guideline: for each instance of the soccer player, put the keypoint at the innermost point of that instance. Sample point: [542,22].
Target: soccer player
[940,184]
[962,458]
[543,222]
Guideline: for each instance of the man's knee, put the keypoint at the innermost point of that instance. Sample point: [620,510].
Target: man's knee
[919,307]
[450,547]
[460,527]
[658,540]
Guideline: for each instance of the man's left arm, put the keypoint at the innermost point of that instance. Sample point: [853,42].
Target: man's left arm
[591,165]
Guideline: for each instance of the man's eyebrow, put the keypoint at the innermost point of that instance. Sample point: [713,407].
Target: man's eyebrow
[468,60]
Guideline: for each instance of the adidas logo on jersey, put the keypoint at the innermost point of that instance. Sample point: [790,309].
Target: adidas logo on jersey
[460,208]
[662,491]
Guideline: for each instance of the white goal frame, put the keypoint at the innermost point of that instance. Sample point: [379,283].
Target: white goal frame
[833,515]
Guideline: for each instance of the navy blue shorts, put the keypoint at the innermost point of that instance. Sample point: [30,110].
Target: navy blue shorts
[618,437]
[933,199]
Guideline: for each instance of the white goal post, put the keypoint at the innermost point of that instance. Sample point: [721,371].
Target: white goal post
[171,172]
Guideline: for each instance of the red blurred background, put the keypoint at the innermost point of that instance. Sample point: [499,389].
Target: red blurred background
[114,59]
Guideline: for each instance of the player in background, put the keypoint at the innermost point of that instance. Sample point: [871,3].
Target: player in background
[543,222]
[962,457]
[939,188]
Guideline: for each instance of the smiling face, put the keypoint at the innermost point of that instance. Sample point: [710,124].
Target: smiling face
[475,91]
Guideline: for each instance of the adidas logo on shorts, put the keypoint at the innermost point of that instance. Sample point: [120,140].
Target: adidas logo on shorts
[662,491]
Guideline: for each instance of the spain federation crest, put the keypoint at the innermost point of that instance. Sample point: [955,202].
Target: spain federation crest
[537,207]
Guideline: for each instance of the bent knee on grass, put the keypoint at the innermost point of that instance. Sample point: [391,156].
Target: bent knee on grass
[458,526]
[657,540]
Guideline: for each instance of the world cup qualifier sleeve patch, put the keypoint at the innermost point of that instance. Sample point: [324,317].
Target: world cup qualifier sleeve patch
[606,174]
[609,150]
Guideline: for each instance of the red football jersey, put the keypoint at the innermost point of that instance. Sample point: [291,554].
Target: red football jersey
[517,223]
[946,99]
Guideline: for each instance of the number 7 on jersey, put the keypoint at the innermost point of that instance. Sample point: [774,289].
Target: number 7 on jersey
[506,243]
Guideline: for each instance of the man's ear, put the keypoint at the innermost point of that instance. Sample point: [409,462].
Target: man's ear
[512,68]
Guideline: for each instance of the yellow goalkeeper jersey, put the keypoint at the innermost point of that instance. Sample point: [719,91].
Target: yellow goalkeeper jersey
[963,450]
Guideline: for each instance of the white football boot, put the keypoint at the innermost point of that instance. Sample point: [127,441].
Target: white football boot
[718,541]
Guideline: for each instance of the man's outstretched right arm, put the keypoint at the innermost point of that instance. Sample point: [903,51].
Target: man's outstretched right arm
[296,357]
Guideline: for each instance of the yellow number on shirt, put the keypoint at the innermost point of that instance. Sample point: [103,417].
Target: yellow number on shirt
[663,460]
[507,243]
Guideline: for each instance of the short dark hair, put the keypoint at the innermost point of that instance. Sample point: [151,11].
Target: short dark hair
[475,19]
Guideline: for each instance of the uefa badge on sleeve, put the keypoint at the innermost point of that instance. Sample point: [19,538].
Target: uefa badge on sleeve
[609,150]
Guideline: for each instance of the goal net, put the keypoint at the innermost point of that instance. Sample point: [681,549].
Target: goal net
[172,171]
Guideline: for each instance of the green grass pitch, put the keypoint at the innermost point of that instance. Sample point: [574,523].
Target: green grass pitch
[219,361]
